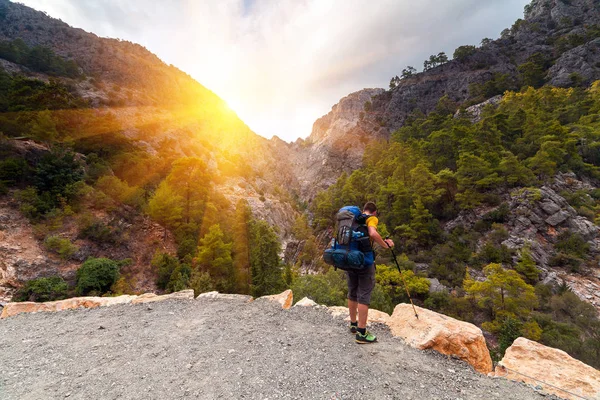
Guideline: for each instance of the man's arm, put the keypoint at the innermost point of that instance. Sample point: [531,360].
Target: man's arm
[376,237]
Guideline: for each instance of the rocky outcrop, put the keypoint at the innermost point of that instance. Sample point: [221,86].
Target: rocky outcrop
[544,212]
[285,299]
[21,255]
[225,296]
[441,333]
[536,217]
[576,65]
[11,309]
[336,144]
[474,112]
[536,364]
[306,302]
[152,297]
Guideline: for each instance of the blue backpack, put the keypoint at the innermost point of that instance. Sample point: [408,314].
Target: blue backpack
[351,248]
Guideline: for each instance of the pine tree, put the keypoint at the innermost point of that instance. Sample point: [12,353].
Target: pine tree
[166,207]
[241,245]
[189,179]
[420,221]
[527,267]
[214,257]
[502,291]
[265,264]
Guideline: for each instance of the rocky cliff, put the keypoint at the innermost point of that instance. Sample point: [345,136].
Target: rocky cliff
[562,34]
[336,144]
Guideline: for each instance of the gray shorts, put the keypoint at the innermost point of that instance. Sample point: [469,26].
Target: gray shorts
[361,284]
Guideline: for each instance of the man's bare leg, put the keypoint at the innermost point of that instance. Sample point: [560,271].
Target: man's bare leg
[352,307]
[363,313]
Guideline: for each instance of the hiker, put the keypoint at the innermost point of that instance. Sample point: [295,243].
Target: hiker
[361,283]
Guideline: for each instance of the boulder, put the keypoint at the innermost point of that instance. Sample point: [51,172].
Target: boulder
[435,286]
[306,302]
[225,296]
[441,333]
[151,297]
[285,299]
[11,309]
[527,359]
[375,316]
[557,218]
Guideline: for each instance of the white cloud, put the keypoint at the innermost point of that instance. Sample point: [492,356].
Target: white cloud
[283,64]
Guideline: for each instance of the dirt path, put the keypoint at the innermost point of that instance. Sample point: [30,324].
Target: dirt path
[218,349]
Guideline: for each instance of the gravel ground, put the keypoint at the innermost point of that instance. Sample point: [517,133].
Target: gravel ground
[222,349]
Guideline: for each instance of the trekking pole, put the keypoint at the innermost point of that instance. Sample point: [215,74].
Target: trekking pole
[402,276]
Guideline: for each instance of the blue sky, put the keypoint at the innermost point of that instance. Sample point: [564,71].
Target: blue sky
[282,64]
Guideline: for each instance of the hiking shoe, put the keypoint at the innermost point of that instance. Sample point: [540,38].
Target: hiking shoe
[353,329]
[368,337]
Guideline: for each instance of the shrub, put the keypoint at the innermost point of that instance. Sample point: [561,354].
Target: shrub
[63,247]
[464,52]
[96,276]
[164,265]
[96,230]
[13,171]
[57,171]
[329,288]
[34,205]
[43,289]
[120,191]
[201,283]
[563,260]
[572,244]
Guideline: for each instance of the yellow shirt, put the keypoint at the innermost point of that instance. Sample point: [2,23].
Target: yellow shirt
[372,221]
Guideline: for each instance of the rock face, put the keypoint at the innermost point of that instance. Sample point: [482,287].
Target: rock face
[23,256]
[441,333]
[336,144]
[549,365]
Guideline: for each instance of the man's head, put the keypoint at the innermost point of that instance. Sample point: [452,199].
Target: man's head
[370,208]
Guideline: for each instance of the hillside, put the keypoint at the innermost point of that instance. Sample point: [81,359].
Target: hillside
[210,349]
[123,124]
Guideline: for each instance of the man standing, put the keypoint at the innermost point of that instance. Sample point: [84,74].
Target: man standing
[361,284]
